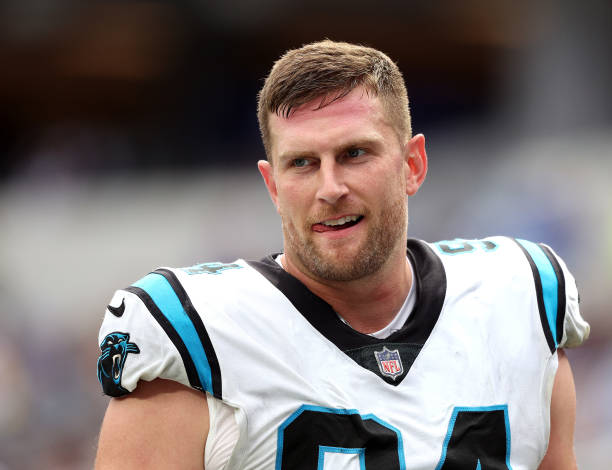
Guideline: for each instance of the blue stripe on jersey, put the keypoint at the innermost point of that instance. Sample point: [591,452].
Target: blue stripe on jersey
[160,290]
[550,283]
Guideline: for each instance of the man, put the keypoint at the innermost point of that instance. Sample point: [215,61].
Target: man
[354,348]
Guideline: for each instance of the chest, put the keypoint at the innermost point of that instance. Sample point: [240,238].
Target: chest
[471,391]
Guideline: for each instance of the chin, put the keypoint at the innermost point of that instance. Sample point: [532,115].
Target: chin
[346,266]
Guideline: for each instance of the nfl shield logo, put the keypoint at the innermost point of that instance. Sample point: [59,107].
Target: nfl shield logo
[389,362]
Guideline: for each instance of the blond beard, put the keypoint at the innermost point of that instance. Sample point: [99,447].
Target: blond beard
[383,237]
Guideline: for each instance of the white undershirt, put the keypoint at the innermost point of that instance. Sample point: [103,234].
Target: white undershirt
[400,318]
[402,315]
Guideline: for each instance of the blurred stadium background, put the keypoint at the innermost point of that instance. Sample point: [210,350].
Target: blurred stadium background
[129,139]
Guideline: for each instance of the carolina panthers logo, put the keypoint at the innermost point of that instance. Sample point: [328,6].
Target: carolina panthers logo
[115,349]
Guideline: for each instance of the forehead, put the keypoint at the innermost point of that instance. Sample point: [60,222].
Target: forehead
[358,115]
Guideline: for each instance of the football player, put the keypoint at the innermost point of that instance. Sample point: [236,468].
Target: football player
[356,347]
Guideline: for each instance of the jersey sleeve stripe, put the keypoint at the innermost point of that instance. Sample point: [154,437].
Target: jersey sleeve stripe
[190,368]
[196,320]
[547,289]
[561,295]
[168,303]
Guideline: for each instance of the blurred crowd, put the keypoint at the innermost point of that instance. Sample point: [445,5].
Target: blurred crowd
[129,141]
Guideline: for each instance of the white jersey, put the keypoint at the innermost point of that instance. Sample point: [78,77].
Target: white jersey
[464,384]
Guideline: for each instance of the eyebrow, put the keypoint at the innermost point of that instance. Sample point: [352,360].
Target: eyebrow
[365,142]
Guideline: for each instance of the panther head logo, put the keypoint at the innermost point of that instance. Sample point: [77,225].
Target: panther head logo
[115,348]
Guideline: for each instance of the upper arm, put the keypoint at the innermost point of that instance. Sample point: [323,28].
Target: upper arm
[161,424]
[560,453]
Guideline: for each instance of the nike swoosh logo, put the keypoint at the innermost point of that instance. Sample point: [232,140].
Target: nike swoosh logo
[117,311]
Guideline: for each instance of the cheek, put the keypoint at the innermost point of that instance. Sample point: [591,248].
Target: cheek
[291,200]
[387,182]
[399,172]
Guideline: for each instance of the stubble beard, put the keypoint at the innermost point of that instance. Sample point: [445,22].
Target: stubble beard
[338,265]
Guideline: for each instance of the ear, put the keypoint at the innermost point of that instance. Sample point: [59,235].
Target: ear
[416,164]
[267,172]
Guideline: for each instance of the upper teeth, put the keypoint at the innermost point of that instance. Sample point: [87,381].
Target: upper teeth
[341,220]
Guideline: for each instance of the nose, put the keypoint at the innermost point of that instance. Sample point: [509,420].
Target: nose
[332,187]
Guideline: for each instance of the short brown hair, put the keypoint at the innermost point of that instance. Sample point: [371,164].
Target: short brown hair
[330,70]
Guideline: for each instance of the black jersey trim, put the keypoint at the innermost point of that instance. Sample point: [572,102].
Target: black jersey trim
[540,297]
[430,284]
[195,318]
[318,312]
[190,368]
[430,279]
[561,295]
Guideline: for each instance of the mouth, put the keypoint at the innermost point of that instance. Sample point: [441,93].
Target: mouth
[116,368]
[335,225]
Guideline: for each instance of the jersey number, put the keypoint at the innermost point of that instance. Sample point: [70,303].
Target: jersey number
[454,247]
[313,438]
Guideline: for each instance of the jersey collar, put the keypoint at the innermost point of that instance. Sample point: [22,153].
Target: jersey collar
[430,280]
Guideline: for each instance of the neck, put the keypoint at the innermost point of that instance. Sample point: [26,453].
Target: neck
[367,304]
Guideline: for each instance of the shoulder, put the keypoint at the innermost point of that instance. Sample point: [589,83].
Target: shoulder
[497,247]
[152,328]
[525,268]
[169,287]
[490,262]
[211,276]
[501,256]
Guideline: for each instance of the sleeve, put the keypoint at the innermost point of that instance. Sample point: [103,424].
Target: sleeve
[575,329]
[557,297]
[134,346]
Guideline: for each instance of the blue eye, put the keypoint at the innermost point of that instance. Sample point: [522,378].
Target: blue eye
[300,162]
[355,152]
